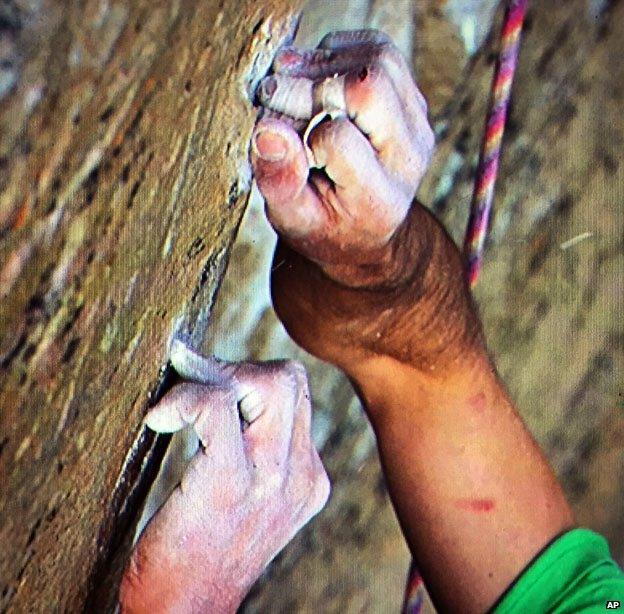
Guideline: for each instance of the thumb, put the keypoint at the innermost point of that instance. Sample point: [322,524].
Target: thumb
[278,158]
[280,166]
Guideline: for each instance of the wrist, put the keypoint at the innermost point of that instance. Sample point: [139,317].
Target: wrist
[392,266]
[420,314]
[163,583]
[412,304]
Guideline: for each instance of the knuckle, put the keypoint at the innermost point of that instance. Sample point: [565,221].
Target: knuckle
[369,81]
[297,379]
[310,490]
[296,369]
[335,138]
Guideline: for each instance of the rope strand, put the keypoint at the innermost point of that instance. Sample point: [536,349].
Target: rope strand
[487,171]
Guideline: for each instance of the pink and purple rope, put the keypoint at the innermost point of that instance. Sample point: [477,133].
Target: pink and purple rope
[483,195]
[487,172]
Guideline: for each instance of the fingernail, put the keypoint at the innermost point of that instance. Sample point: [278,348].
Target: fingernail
[270,145]
[251,406]
[164,420]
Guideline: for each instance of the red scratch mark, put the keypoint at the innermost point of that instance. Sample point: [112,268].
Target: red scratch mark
[476,505]
[478,401]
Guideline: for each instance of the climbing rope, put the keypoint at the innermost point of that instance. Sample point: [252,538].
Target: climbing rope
[489,159]
[483,194]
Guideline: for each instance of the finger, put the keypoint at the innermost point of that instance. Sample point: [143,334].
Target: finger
[359,179]
[315,64]
[309,482]
[210,410]
[209,370]
[371,101]
[301,98]
[373,104]
[348,38]
[281,171]
[298,125]
[318,64]
[342,52]
[268,438]
[191,365]
[291,96]
[338,52]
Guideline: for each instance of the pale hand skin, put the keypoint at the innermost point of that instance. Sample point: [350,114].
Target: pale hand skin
[243,497]
[367,279]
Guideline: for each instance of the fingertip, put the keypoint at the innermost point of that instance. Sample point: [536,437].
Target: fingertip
[280,137]
[164,418]
[279,161]
[270,146]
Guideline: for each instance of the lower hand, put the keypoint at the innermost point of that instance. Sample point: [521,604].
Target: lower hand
[243,497]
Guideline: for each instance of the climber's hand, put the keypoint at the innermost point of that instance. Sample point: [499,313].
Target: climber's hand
[255,482]
[373,154]
[358,260]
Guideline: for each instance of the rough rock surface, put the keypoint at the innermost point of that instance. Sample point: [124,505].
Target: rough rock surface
[120,101]
[124,131]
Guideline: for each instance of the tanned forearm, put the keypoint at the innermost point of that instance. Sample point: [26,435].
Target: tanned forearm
[367,279]
[475,497]
[474,494]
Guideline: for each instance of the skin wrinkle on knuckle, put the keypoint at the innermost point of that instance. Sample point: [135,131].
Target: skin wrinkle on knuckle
[396,141]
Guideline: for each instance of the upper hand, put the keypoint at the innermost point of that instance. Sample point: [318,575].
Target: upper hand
[361,269]
[373,154]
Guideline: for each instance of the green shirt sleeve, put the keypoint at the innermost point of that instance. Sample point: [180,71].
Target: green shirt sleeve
[575,573]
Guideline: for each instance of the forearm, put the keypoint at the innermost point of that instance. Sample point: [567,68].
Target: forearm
[376,287]
[474,494]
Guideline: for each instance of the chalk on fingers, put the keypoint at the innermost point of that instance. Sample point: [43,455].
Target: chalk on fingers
[163,420]
[191,365]
[291,96]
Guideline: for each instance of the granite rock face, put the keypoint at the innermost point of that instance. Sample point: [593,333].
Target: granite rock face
[124,132]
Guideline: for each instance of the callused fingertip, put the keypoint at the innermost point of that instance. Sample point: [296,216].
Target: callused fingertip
[269,145]
[164,419]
